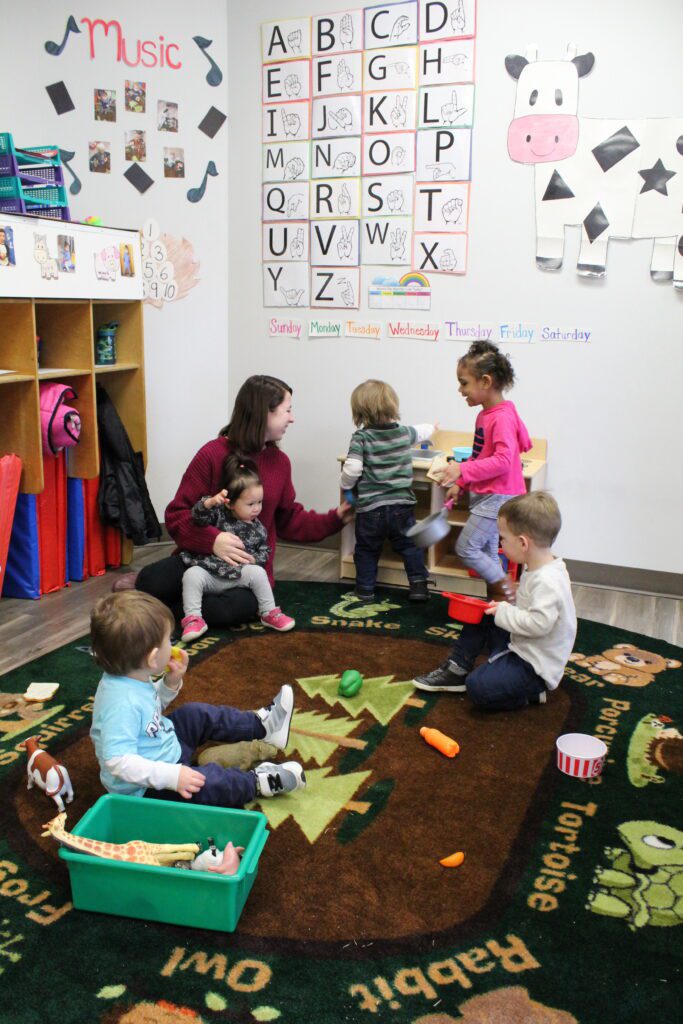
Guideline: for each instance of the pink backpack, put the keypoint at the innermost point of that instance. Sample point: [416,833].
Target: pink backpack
[60,423]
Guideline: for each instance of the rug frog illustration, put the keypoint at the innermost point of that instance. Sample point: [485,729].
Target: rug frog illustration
[644,883]
[655,746]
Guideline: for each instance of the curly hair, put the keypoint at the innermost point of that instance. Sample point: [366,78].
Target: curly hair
[483,357]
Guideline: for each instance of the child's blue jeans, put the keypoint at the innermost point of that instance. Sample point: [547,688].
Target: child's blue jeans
[372,529]
[196,724]
[506,681]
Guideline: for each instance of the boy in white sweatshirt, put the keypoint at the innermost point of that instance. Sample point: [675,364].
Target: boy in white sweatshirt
[528,643]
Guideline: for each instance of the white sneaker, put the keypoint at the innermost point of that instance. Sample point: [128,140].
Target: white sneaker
[272,779]
[277,717]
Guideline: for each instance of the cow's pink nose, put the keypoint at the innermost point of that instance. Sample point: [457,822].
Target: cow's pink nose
[539,138]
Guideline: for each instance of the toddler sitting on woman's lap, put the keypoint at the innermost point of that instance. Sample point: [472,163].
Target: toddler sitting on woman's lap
[234,509]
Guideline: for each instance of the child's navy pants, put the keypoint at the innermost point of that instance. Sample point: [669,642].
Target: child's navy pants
[196,724]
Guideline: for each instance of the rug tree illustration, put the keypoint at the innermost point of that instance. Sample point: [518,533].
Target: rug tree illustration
[380,696]
[616,177]
[316,736]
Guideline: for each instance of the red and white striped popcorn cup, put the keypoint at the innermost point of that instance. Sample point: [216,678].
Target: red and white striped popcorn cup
[579,755]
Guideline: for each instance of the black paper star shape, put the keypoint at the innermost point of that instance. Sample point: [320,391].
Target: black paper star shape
[656,177]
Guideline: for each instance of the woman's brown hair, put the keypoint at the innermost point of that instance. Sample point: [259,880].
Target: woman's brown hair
[258,396]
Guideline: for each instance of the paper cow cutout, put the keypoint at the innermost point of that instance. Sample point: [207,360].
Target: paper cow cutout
[617,178]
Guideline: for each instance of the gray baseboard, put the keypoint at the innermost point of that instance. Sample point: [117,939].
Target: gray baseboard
[620,577]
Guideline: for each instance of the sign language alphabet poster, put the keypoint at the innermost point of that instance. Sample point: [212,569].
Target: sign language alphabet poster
[367,119]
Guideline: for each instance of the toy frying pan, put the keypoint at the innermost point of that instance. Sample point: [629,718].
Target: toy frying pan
[432,529]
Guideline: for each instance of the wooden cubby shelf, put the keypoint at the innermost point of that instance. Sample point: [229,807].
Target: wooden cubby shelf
[442,562]
[67,329]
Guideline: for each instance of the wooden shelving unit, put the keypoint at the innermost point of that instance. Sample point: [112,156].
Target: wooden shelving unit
[442,562]
[67,330]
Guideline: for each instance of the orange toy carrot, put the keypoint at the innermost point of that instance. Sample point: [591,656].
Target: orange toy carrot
[445,744]
[454,861]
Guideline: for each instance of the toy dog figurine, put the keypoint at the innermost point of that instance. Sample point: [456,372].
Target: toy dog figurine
[48,774]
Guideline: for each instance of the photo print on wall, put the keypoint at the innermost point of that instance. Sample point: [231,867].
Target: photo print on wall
[367,118]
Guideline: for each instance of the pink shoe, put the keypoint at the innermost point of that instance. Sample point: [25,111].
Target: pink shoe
[193,627]
[278,620]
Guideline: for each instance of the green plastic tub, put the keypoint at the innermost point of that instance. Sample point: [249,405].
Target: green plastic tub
[198,899]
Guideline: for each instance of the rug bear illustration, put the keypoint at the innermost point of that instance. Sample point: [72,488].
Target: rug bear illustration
[625,665]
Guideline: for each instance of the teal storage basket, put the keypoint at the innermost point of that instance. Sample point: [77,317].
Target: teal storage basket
[197,899]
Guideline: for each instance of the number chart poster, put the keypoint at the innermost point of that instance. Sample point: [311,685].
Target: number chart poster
[366,129]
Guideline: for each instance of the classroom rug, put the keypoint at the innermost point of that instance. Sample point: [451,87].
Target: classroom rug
[565,910]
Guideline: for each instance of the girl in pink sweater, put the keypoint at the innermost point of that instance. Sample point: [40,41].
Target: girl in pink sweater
[494,472]
[260,418]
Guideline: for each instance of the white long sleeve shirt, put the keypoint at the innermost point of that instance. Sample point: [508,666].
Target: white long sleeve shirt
[542,624]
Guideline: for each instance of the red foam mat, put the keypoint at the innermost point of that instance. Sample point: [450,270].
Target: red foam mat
[10,472]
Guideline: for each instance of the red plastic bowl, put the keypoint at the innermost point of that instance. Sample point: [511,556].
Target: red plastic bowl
[466,609]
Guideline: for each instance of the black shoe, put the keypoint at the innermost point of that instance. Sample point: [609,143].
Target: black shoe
[447,677]
[418,590]
[364,595]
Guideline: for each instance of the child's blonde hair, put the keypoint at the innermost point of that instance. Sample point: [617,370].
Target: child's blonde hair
[536,515]
[125,627]
[373,402]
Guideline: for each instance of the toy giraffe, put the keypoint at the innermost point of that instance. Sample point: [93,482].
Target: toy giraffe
[136,851]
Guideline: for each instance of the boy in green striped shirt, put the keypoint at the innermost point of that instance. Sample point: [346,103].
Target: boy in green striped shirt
[380,467]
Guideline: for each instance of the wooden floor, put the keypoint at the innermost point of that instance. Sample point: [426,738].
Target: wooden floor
[31,628]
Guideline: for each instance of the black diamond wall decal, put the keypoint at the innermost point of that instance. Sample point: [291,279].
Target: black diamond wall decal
[595,223]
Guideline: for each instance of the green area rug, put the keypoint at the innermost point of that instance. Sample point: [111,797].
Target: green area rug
[565,910]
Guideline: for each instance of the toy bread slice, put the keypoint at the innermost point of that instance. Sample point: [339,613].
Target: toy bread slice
[41,691]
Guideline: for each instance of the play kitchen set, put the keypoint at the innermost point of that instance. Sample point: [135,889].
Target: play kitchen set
[437,524]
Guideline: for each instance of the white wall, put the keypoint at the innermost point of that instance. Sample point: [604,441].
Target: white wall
[611,410]
[186,350]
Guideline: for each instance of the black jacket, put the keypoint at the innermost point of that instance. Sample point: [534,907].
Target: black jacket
[123,498]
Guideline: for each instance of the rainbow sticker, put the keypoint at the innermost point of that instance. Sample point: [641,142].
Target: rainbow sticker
[414,278]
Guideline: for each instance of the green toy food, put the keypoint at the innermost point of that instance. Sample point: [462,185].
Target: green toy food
[350,683]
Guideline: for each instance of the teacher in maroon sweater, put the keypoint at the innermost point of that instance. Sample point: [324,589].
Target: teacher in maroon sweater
[260,418]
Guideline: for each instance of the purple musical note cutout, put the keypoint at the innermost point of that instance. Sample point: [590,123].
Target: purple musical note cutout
[195,194]
[214,76]
[55,49]
[65,156]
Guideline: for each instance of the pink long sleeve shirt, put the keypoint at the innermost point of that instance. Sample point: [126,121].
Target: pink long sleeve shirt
[282,515]
[496,466]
